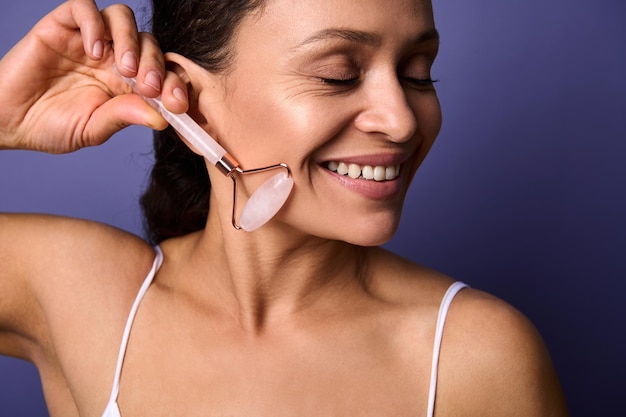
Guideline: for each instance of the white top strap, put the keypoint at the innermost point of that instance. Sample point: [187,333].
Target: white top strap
[158,260]
[441,320]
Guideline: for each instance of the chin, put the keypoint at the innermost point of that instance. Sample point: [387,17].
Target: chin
[371,231]
[364,227]
[373,239]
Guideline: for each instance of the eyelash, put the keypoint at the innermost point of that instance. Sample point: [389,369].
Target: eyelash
[417,82]
[340,82]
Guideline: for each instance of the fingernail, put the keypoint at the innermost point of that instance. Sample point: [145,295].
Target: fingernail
[180,94]
[153,79]
[129,62]
[98,49]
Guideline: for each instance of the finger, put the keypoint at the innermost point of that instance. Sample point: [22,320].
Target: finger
[84,15]
[151,72]
[174,95]
[118,113]
[120,21]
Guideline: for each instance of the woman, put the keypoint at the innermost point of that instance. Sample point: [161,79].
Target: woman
[304,316]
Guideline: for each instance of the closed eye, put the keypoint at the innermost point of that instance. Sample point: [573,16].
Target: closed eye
[344,82]
[419,83]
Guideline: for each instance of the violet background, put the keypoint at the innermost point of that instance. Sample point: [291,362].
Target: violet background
[523,195]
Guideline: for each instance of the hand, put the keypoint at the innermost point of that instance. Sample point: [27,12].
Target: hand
[58,91]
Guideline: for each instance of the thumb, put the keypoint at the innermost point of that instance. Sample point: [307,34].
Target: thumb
[118,113]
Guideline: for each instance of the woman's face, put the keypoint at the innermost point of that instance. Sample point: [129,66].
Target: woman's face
[341,92]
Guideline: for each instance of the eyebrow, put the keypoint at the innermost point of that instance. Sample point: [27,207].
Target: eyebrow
[429,35]
[358,36]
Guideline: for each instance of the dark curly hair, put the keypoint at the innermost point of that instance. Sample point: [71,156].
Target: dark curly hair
[176,201]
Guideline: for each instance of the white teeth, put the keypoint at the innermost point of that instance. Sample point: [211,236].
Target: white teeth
[354,171]
[391,172]
[379,173]
[368,172]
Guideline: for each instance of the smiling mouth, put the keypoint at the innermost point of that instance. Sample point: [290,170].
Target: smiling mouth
[367,172]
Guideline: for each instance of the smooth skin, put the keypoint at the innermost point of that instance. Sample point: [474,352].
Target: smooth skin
[303,317]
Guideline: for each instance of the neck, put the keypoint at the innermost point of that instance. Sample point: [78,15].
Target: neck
[265,277]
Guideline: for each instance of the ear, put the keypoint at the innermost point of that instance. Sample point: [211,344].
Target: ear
[202,87]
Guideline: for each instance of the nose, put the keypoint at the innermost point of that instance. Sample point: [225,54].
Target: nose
[387,110]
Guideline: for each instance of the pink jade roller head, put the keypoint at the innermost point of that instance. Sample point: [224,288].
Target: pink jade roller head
[264,203]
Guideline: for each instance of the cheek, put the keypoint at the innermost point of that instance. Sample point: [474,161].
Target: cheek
[275,129]
[428,115]
[251,130]
[429,119]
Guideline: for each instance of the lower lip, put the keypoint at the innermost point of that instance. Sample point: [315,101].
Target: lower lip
[375,190]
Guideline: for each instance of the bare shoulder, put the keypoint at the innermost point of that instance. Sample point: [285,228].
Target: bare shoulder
[54,242]
[402,282]
[494,362]
[59,272]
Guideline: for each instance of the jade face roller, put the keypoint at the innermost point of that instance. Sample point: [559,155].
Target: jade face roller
[264,203]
